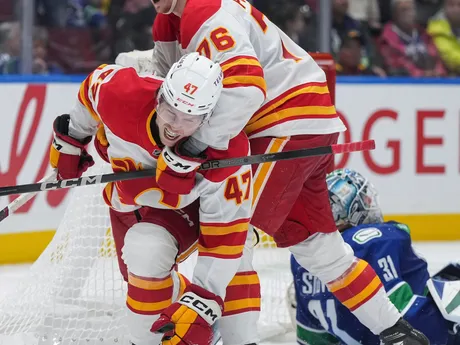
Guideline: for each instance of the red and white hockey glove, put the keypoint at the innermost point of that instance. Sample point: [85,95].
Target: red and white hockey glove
[176,172]
[68,155]
[189,321]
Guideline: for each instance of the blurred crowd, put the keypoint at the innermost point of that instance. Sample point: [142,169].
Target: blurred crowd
[369,37]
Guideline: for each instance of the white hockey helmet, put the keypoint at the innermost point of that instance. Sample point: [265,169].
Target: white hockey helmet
[193,85]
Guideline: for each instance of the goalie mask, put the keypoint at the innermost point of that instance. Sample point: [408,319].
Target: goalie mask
[353,198]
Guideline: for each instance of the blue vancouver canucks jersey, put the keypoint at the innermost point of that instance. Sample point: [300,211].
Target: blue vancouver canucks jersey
[322,319]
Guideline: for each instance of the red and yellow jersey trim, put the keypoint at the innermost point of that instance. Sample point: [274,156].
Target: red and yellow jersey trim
[83,97]
[107,193]
[148,128]
[356,286]
[223,240]
[150,283]
[244,71]
[148,295]
[242,294]
[306,101]
[91,86]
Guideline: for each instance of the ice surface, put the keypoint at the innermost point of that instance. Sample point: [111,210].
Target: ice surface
[437,255]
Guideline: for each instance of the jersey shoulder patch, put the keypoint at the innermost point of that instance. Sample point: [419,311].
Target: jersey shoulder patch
[196,13]
[166,28]
[402,227]
[365,235]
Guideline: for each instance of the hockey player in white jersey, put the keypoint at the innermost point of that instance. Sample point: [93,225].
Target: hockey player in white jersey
[276,92]
[145,118]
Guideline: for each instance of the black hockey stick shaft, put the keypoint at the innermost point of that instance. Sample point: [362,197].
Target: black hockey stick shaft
[23,199]
[214,164]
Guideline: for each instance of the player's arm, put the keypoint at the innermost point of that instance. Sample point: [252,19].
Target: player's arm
[404,283]
[414,269]
[223,39]
[225,210]
[164,54]
[74,131]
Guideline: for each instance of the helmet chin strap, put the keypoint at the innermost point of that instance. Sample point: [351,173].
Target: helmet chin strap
[173,6]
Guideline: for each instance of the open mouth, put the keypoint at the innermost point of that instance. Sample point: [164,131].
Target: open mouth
[170,135]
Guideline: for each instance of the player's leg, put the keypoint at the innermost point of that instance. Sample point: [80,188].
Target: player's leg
[325,254]
[238,325]
[120,223]
[150,248]
[276,185]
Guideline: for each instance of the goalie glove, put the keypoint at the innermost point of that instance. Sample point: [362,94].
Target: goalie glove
[189,320]
[68,155]
[176,172]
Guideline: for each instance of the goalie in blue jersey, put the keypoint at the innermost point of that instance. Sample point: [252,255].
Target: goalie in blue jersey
[431,305]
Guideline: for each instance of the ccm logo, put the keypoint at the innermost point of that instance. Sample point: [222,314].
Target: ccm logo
[56,145]
[82,181]
[175,163]
[199,305]
[183,101]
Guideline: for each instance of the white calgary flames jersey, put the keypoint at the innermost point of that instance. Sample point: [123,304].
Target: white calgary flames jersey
[272,87]
[124,103]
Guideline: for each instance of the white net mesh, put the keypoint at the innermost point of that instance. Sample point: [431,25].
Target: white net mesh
[75,295]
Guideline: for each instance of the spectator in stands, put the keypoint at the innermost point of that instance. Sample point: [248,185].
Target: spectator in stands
[367,12]
[86,13]
[406,48]
[10,47]
[75,14]
[296,20]
[94,14]
[52,13]
[342,24]
[10,60]
[313,4]
[131,22]
[350,55]
[444,28]
[426,9]
[385,11]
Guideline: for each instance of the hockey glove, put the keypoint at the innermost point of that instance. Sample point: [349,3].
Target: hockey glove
[189,321]
[140,60]
[101,144]
[67,154]
[176,172]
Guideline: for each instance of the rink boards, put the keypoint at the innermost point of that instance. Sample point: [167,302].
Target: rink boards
[415,167]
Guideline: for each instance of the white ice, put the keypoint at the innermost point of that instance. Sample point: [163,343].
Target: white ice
[437,255]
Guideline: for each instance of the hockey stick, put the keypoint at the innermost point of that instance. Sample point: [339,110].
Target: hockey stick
[21,200]
[214,164]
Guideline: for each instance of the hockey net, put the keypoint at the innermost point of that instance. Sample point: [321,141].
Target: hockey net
[74,293]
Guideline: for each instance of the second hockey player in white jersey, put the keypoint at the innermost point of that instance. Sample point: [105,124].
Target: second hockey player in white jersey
[144,118]
[277,93]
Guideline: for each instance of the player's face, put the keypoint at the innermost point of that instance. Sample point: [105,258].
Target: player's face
[174,125]
[162,6]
